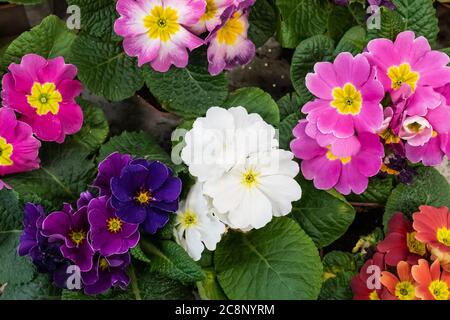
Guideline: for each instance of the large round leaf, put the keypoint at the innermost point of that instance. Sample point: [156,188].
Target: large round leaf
[255,100]
[277,262]
[325,216]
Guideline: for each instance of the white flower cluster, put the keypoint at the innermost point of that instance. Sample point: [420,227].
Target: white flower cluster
[243,178]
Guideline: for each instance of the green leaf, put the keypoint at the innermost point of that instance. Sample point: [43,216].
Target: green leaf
[286,127]
[138,254]
[18,274]
[10,212]
[358,11]
[339,21]
[419,16]
[263,22]
[306,55]
[255,100]
[378,191]
[144,285]
[301,19]
[172,261]
[353,41]
[277,262]
[429,188]
[339,268]
[49,39]
[188,92]
[209,288]
[95,128]
[392,23]
[98,17]
[337,288]
[288,105]
[105,69]
[325,216]
[64,174]
[137,144]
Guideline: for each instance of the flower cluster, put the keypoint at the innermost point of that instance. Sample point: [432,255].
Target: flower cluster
[97,235]
[163,32]
[242,178]
[43,92]
[410,259]
[339,142]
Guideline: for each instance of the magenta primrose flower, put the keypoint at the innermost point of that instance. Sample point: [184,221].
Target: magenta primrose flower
[19,150]
[345,164]
[348,97]
[43,92]
[212,17]
[229,45]
[409,62]
[156,31]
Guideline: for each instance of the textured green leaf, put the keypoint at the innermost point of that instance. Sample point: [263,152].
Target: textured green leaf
[188,92]
[49,39]
[137,144]
[18,273]
[64,174]
[255,100]
[10,212]
[105,69]
[339,21]
[429,188]
[138,254]
[98,17]
[263,22]
[286,127]
[301,19]
[209,288]
[277,262]
[353,41]
[172,261]
[144,285]
[288,105]
[95,128]
[308,53]
[339,268]
[392,23]
[378,191]
[419,16]
[325,216]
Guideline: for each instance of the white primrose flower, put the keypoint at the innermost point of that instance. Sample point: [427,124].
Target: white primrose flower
[223,138]
[196,227]
[255,190]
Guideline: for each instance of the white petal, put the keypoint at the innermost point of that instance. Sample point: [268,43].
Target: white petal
[194,245]
[254,210]
[281,191]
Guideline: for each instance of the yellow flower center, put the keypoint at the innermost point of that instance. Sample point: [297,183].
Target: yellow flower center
[143,197]
[211,10]
[415,127]
[439,290]
[162,23]
[389,136]
[374,295]
[434,134]
[250,179]
[414,245]
[347,100]
[103,264]
[443,236]
[44,98]
[188,219]
[405,291]
[332,157]
[6,150]
[230,32]
[77,237]
[114,225]
[403,74]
